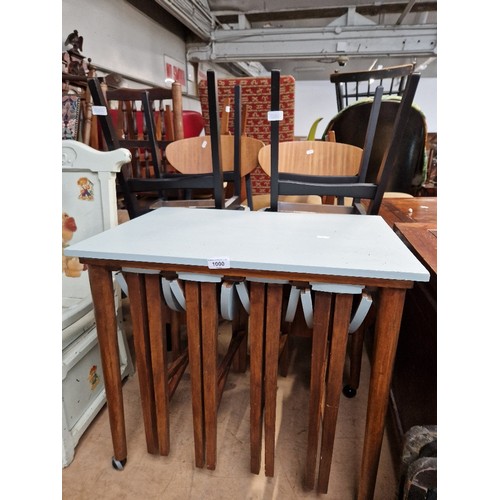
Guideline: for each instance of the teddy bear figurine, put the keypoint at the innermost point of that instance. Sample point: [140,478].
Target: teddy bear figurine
[71,266]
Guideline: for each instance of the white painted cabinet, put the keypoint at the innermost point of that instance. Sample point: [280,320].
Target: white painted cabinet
[89,207]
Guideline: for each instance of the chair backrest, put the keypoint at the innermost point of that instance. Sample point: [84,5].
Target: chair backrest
[350,87]
[145,126]
[143,121]
[349,127]
[194,155]
[314,158]
[334,168]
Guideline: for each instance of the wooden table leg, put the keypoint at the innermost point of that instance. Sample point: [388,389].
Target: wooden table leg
[256,332]
[272,342]
[140,332]
[333,389]
[103,295]
[355,356]
[241,324]
[387,326]
[193,327]
[322,312]
[209,328]
[158,341]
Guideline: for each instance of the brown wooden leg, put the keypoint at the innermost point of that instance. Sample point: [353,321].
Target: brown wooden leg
[241,324]
[171,318]
[273,324]
[284,360]
[140,331]
[158,359]
[193,327]
[322,311]
[337,351]
[356,353]
[285,339]
[355,356]
[175,333]
[101,282]
[256,332]
[389,312]
[209,356]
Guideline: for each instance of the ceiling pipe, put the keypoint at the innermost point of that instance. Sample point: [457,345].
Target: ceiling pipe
[194,14]
[405,12]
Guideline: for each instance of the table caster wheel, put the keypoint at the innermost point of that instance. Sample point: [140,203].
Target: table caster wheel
[349,392]
[118,464]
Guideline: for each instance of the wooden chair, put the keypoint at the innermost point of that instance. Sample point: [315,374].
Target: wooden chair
[235,155]
[354,93]
[194,155]
[126,120]
[294,174]
[150,179]
[142,125]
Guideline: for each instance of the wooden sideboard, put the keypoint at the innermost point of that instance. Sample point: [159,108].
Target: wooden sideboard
[413,398]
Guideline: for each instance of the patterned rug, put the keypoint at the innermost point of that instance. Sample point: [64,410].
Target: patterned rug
[256,94]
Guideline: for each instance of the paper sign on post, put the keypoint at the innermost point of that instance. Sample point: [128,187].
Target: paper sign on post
[99,110]
[274,116]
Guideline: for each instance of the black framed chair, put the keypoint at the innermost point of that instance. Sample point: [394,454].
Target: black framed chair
[149,178]
[350,87]
[354,92]
[288,179]
[236,155]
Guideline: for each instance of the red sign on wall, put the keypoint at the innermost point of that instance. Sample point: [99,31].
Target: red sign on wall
[175,72]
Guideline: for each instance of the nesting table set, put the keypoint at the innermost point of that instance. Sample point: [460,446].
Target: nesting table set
[335,255]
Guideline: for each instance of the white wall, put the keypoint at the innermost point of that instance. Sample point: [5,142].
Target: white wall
[119,37]
[316,99]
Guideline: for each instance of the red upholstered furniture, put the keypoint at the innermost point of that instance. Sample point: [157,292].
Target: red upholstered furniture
[193,123]
[256,98]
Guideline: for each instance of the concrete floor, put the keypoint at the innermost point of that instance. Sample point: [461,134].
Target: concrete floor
[91,475]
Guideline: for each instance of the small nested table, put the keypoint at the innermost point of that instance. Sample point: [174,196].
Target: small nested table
[337,255]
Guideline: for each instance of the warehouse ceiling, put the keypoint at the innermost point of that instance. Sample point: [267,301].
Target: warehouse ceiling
[309,39]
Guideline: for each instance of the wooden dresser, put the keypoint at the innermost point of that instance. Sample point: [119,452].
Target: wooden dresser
[414,383]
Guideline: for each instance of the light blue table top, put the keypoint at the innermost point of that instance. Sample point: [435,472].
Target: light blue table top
[342,245]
